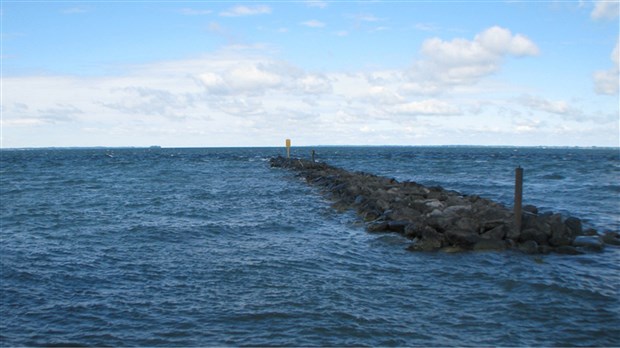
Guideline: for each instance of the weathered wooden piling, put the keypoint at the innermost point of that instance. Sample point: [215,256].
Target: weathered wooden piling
[518,197]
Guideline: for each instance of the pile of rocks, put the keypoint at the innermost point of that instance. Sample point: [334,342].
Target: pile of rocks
[439,219]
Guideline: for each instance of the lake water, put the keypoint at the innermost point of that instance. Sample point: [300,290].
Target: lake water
[212,247]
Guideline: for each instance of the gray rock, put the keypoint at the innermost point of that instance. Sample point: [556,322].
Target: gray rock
[488,212]
[574,225]
[462,238]
[425,245]
[539,223]
[467,224]
[567,250]
[398,226]
[382,204]
[560,234]
[381,226]
[359,200]
[497,233]
[492,224]
[433,204]
[406,213]
[490,244]
[528,247]
[411,230]
[538,236]
[545,249]
[371,215]
[441,222]
[456,209]
[530,209]
[387,215]
[590,243]
[473,198]
[590,232]
[420,206]
[429,240]
[417,230]
[512,232]
[611,238]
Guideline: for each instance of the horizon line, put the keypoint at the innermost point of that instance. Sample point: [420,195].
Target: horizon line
[300,146]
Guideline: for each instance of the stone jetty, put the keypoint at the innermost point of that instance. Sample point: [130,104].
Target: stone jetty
[438,219]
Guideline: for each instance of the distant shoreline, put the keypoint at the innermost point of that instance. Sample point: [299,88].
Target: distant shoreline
[157,147]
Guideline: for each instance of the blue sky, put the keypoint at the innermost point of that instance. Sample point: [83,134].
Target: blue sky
[200,73]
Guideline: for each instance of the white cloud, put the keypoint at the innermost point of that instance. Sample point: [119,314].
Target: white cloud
[366,17]
[430,107]
[314,84]
[234,82]
[313,23]
[150,101]
[253,77]
[501,42]
[384,96]
[242,96]
[426,27]
[605,9]
[465,62]
[607,81]
[558,107]
[238,11]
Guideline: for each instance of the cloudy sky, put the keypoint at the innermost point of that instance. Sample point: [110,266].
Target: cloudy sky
[203,73]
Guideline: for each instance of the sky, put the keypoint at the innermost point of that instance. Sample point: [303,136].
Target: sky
[224,73]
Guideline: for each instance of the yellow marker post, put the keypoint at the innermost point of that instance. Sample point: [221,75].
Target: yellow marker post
[288,148]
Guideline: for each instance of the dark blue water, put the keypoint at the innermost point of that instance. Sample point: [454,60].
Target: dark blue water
[187,247]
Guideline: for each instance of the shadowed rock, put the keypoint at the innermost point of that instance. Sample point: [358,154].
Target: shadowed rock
[435,218]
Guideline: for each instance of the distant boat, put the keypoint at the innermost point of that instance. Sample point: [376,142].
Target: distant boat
[155,147]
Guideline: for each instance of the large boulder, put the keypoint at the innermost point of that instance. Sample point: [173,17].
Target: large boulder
[611,238]
[467,224]
[429,240]
[420,230]
[538,236]
[528,247]
[457,209]
[589,243]
[561,235]
[379,226]
[574,225]
[398,225]
[497,233]
[464,238]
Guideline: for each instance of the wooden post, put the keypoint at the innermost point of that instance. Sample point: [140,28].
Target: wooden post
[518,197]
[288,148]
[313,156]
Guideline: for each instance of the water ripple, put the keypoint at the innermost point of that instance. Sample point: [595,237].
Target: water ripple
[198,247]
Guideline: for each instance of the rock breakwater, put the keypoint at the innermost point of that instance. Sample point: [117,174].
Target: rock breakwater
[438,219]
